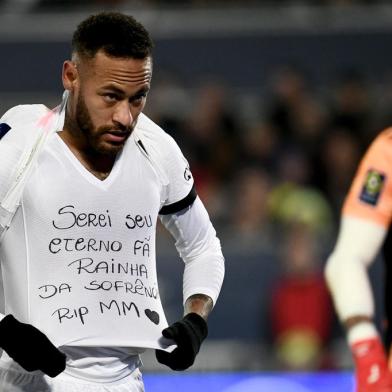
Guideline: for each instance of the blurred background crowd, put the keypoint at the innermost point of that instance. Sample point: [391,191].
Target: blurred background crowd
[37,5]
[63,4]
[273,107]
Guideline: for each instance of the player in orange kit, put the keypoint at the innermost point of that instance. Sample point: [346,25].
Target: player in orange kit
[365,222]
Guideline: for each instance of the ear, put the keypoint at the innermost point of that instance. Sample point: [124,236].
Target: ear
[70,75]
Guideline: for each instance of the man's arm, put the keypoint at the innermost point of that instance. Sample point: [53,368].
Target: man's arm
[200,250]
[356,248]
[200,304]
[359,241]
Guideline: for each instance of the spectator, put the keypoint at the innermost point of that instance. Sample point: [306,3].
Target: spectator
[301,312]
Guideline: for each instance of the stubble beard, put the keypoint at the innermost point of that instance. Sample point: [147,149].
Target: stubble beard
[83,125]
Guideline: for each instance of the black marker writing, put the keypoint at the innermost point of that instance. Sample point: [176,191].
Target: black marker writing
[49,290]
[69,314]
[138,221]
[89,266]
[70,219]
[81,244]
[142,248]
[136,287]
[124,307]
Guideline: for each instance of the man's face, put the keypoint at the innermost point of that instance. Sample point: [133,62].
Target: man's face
[109,95]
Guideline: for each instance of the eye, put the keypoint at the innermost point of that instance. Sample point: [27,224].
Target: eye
[110,97]
[138,100]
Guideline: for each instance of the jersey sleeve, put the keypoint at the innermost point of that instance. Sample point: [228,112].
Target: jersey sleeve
[199,248]
[180,190]
[370,195]
[9,120]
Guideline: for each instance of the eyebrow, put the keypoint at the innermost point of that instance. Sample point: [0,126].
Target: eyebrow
[112,88]
[143,90]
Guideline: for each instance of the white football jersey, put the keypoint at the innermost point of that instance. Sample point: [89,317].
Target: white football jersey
[78,261]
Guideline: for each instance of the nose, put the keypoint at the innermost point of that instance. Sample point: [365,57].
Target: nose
[122,114]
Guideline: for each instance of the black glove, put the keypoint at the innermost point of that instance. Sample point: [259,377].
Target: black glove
[188,334]
[30,348]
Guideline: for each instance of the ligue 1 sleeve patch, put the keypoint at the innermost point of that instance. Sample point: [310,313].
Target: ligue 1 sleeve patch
[372,187]
[4,128]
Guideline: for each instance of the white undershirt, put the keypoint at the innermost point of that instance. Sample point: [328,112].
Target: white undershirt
[357,246]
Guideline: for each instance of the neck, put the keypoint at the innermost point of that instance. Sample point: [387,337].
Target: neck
[100,165]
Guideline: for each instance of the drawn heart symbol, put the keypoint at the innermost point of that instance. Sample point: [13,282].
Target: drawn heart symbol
[152,315]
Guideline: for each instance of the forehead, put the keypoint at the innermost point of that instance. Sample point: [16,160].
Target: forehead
[124,72]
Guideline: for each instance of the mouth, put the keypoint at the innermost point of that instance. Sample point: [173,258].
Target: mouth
[116,137]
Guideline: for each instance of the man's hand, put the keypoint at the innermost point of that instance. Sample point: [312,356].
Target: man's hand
[371,368]
[188,334]
[30,348]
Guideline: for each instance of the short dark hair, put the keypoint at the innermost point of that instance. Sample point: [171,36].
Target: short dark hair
[117,34]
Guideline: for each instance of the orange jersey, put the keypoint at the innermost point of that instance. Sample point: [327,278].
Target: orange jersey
[370,195]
